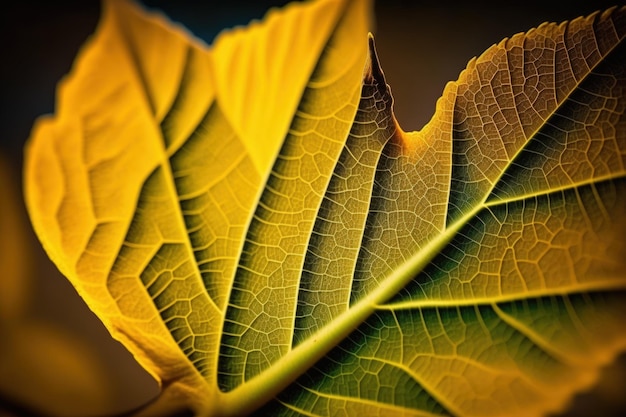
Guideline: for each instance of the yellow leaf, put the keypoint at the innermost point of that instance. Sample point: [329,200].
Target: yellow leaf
[251,222]
[282,53]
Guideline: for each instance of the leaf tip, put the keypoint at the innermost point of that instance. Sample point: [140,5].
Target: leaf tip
[373,73]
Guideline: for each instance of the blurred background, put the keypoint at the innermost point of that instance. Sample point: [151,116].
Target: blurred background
[56,358]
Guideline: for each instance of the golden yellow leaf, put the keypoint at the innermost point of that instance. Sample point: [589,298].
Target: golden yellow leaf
[251,222]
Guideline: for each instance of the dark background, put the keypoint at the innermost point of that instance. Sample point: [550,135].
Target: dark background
[421,47]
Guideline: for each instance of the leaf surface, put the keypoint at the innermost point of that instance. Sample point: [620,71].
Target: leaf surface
[252,223]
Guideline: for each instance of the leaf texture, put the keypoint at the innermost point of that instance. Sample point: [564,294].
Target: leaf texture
[252,223]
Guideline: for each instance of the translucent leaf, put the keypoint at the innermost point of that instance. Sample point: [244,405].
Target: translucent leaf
[251,222]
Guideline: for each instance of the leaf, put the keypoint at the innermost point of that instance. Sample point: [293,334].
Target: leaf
[251,222]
